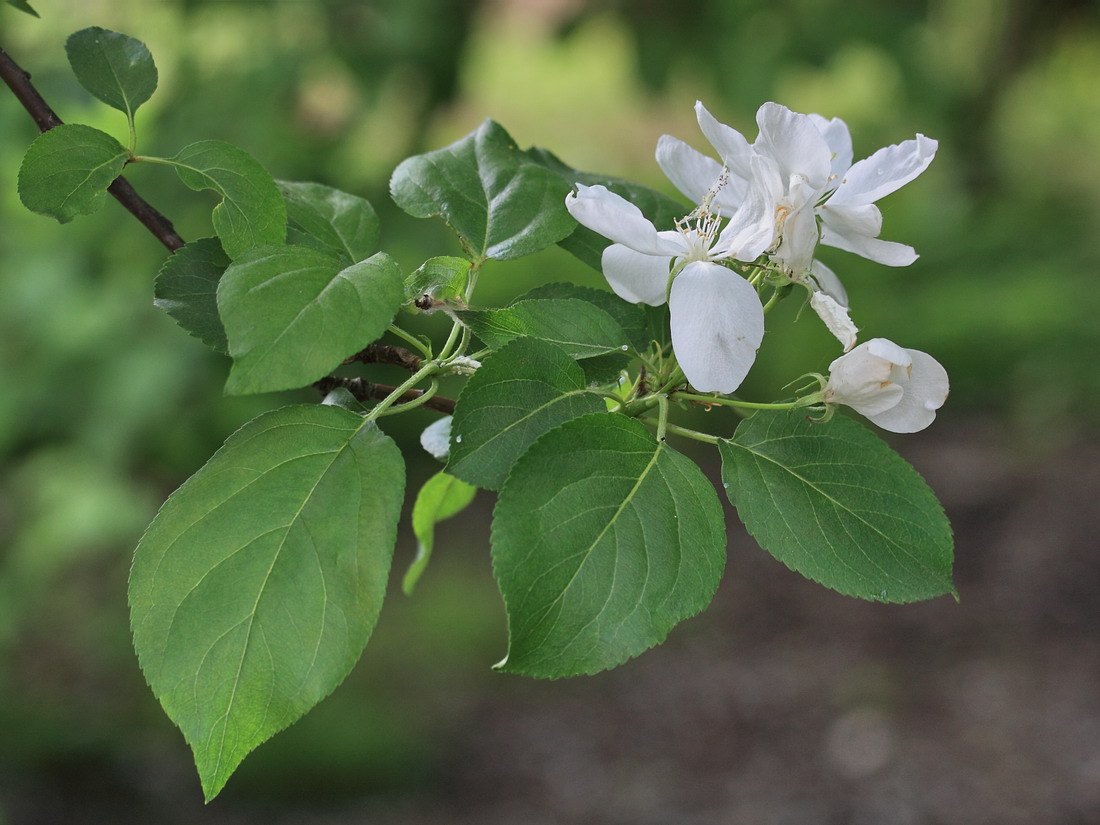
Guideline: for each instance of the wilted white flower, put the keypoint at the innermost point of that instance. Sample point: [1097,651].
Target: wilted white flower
[897,389]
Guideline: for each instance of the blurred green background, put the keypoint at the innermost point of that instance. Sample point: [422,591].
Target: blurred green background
[106,406]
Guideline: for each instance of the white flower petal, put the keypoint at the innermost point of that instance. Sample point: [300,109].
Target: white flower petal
[796,250]
[635,276]
[868,379]
[436,438]
[925,392]
[851,221]
[614,217]
[836,319]
[731,146]
[829,283]
[886,170]
[888,253]
[839,141]
[692,172]
[794,142]
[751,229]
[717,326]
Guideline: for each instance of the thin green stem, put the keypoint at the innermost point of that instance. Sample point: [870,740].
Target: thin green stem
[427,395]
[133,133]
[449,347]
[715,400]
[676,429]
[662,416]
[429,368]
[777,296]
[410,339]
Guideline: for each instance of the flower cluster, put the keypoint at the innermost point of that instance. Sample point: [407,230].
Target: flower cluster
[793,187]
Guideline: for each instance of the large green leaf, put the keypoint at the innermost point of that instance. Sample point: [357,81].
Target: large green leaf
[441,497]
[187,289]
[345,223]
[114,67]
[587,245]
[251,212]
[517,394]
[579,327]
[500,203]
[294,313]
[630,317]
[603,539]
[835,503]
[255,589]
[67,170]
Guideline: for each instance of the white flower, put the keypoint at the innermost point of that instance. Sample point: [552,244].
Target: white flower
[897,389]
[808,174]
[717,320]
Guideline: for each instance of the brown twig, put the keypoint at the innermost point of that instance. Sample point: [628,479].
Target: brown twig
[19,81]
[365,391]
[387,354]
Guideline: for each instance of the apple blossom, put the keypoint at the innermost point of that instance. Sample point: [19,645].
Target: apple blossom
[809,174]
[717,320]
[897,389]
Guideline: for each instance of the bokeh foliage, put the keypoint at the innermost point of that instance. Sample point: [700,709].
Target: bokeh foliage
[105,405]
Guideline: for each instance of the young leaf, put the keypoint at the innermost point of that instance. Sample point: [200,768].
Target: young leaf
[251,213]
[114,67]
[67,170]
[443,279]
[23,5]
[293,313]
[587,245]
[187,289]
[518,393]
[441,497]
[835,503]
[580,328]
[497,200]
[603,539]
[256,587]
[345,223]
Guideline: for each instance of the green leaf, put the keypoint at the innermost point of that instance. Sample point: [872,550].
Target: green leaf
[630,317]
[114,67]
[518,393]
[441,497]
[442,279]
[187,289]
[251,213]
[22,5]
[67,170]
[497,200]
[587,245]
[345,223]
[835,503]
[603,539]
[580,328]
[256,587]
[294,313]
